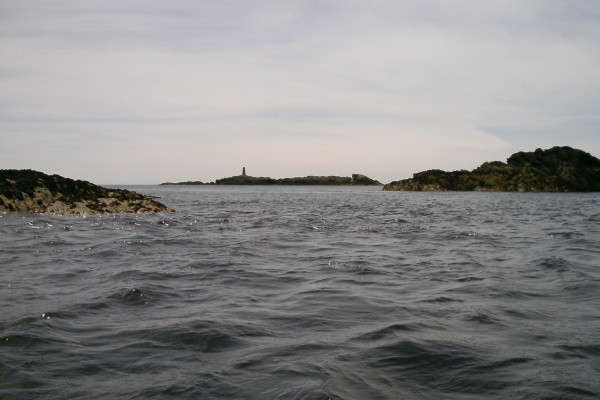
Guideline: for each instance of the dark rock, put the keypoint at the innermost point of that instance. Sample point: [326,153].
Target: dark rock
[359,179]
[316,180]
[356,179]
[32,191]
[190,183]
[559,169]
[245,180]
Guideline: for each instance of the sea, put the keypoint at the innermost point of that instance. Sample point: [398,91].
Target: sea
[305,292]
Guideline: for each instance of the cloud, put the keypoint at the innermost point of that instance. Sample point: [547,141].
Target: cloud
[292,88]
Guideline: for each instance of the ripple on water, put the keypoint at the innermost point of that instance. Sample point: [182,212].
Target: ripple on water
[394,295]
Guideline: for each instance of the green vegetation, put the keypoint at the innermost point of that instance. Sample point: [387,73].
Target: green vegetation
[356,179]
[559,169]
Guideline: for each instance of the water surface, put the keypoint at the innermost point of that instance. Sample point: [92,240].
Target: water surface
[305,293]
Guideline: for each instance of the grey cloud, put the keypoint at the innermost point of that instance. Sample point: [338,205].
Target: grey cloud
[217,71]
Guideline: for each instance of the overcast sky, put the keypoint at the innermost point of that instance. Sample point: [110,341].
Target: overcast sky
[144,91]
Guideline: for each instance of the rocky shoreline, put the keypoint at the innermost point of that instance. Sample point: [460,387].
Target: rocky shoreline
[28,191]
[559,169]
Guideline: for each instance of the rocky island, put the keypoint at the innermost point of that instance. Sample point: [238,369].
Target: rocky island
[354,180]
[559,169]
[28,191]
[186,183]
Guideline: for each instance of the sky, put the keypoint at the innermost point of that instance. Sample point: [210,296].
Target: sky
[145,91]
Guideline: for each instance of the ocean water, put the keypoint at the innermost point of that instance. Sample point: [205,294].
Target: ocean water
[305,293]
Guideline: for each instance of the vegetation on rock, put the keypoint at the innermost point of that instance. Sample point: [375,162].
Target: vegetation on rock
[33,191]
[245,180]
[356,179]
[190,183]
[559,169]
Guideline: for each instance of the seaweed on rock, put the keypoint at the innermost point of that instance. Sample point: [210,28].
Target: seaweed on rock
[559,169]
[32,191]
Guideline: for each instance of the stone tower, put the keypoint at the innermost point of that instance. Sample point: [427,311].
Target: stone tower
[243,171]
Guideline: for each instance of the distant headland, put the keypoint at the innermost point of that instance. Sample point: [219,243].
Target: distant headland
[243,179]
[559,169]
[28,191]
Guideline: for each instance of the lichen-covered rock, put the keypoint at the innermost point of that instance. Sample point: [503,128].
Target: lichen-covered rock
[559,169]
[29,191]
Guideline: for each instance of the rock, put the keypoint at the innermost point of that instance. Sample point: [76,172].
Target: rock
[316,180]
[28,191]
[245,180]
[559,169]
[356,179]
[187,183]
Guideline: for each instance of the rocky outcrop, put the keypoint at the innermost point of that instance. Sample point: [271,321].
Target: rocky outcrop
[28,191]
[363,180]
[356,179]
[187,183]
[245,180]
[559,169]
